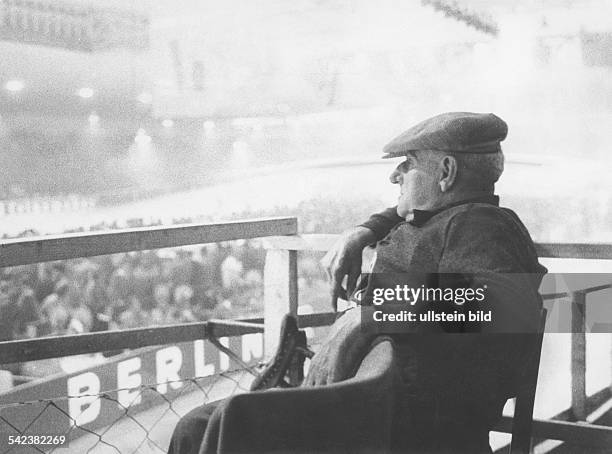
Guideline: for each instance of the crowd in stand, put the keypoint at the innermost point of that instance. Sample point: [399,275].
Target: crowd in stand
[131,290]
[138,289]
[152,287]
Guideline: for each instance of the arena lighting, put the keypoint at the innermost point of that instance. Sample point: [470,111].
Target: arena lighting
[145,97]
[168,123]
[14,85]
[142,138]
[209,129]
[209,125]
[85,92]
[241,155]
[94,120]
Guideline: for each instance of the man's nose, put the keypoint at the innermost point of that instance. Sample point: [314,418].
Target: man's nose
[395,176]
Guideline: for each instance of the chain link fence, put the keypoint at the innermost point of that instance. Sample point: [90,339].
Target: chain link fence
[132,429]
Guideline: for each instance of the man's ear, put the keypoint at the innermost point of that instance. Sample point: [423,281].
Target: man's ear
[448,177]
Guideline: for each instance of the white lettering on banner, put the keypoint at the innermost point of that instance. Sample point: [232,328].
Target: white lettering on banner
[199,358]
[168,362]
[168,368]
[83,410]
[127,378]
[252,346]
[223,358]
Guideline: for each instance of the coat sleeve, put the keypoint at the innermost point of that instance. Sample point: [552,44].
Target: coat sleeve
[382,223]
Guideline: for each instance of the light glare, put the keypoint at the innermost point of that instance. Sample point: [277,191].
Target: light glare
[14,85]
[145,97]
[85,92]
[142,138]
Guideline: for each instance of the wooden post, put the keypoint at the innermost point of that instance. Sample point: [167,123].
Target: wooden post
[280,294]
[578,355]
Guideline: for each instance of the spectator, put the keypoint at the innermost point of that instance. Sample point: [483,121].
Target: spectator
[49,276]
[7,313]
[27,315]
[146,274]
[231,272]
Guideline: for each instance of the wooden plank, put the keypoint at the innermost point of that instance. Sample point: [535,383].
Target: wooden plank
[317,320]
[58,346]
[322,242]
[311,242]
[60,247]
[575,250]
[596,288]
[579,433]
[232,327]
[280,294]
[578,355]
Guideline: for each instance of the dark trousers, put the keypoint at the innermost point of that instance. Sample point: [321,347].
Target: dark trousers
[411,436]
[189,431]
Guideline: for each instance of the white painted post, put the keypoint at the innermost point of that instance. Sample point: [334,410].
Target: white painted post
[280,294]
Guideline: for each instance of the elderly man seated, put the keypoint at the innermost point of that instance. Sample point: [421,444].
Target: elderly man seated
[447,232]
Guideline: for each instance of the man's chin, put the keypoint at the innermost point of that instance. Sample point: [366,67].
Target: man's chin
[402,213]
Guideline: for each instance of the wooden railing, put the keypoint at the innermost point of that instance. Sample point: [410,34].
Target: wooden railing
[280,297]
[35,250]
[24,251]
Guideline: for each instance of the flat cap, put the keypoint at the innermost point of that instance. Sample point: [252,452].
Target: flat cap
[460,132]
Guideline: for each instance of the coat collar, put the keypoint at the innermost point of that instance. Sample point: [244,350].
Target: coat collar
[419,217]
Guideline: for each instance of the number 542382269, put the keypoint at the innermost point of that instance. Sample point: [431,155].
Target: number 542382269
[37,440]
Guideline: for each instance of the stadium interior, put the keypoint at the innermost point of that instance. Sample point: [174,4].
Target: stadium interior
[140,117]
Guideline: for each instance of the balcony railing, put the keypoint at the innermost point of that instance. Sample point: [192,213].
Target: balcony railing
[280,297]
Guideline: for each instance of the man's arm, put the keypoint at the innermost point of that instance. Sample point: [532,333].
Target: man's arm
[345,346]
[382,223]
[349,338]
[344,258]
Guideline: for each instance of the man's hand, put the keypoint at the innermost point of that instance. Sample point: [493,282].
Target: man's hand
[344,348]
[344,259]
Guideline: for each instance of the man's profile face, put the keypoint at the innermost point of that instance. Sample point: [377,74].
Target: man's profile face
[418,183]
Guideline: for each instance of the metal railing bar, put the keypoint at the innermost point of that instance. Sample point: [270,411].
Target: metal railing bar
[233,356]
[597,288]
[322,243]
[70,246]
[578,355]
[593,403]
[232,327]
[554,296]
[599,251]
[78,344]
[580,433]
[59,346]
[317,320]
[236,323]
